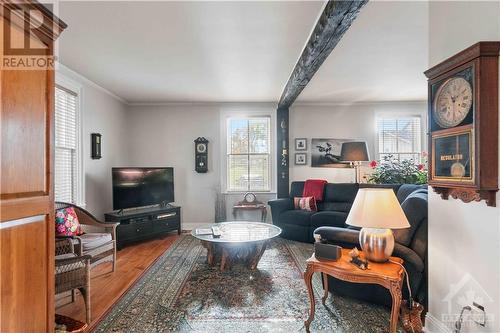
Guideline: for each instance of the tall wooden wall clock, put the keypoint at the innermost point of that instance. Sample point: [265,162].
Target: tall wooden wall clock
[463,124]
[201,155]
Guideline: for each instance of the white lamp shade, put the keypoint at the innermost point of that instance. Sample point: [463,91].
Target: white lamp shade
[377,208]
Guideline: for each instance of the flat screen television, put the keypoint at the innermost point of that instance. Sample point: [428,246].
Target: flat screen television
[137,187]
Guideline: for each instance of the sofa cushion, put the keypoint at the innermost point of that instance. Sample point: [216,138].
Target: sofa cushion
[94,240]
[305,203]
[415,209]
[67,223]
[296,189]
[296,217]
[340,192]
[328,218]
[335,206]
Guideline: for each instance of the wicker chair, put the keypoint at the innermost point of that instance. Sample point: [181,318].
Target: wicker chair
[72,272]
[101,247]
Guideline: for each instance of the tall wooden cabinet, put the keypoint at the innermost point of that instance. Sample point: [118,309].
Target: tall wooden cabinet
[28,32]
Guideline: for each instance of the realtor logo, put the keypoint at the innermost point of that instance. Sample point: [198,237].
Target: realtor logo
[26,31]
[466,293]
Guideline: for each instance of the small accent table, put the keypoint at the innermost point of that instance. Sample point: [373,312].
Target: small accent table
[255,206]
[388,275]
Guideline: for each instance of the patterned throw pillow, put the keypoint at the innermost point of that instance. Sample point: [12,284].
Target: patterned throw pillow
[305,203]
[67,223]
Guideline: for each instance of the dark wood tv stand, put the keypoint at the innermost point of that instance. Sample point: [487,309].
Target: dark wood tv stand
[144,223]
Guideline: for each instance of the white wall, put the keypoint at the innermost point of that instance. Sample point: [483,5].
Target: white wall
[355,121]
[163,135]
[464,239]
[100,113]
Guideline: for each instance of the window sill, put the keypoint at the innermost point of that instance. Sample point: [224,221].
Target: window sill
[243,192]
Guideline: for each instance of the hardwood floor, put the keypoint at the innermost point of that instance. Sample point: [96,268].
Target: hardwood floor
[106,287]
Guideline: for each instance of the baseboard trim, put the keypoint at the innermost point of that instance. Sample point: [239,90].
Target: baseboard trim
[433,325]
[191,225]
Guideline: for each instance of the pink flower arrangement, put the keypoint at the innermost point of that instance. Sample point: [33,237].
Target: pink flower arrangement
[373,164]
[421,167]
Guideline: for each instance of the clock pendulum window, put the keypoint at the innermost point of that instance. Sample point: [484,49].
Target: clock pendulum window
[457,168]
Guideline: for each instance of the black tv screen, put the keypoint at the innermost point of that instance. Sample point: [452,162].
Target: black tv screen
[136,187]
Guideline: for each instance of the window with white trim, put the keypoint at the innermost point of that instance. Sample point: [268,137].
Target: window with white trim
[400,137]
[249,154]
[66,145]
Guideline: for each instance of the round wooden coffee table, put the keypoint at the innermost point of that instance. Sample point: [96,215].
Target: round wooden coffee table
[240,242]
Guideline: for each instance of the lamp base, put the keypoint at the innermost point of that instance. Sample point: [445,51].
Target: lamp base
[377,244]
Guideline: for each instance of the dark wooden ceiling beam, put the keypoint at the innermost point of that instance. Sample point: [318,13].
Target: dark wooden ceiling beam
[336,18]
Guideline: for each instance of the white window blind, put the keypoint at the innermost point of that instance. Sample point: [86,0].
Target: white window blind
[249,154]
[400,137]
[65,178]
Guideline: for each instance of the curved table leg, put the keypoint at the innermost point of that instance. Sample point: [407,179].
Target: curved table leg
[396,304]
[325,286]
[210,252]
[308,274]
[225,259]
[255,257]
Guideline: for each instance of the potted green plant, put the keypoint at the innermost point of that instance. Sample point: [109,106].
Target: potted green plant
[390,170]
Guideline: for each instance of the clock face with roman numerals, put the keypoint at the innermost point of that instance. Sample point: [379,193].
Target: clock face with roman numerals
[453,102]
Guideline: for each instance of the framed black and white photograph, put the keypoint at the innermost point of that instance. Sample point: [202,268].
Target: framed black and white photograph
[301,144]
[325,153]
[300,158]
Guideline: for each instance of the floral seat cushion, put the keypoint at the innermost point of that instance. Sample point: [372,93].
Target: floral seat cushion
[67,223]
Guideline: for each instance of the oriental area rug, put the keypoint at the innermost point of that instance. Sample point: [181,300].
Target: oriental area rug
[181,293]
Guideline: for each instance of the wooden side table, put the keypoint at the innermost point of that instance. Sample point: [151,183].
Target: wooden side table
[257,206]
[388,275]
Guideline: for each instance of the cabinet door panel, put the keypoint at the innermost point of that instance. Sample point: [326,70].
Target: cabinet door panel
[24,133]
[23,276]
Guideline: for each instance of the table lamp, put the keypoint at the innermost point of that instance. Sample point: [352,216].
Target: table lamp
[377,211]
[354,152]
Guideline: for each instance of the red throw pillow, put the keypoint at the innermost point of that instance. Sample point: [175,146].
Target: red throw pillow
[67,223]
[305,203]
[314,188]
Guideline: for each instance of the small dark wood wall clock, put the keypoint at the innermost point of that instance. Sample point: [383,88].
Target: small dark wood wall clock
[201,155]
[463,124]
[96,144]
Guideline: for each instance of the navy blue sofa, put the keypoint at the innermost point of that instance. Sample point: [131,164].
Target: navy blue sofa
[329,222]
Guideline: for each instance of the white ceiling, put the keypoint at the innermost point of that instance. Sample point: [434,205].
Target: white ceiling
[187,51]
[381,57]
[234,51]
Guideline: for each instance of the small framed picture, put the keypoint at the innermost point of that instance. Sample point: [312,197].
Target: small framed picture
[300,158]
[301,144]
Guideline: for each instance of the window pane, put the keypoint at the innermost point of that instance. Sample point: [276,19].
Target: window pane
[65,119]
[238,172]
[63,176]
[400,137]
[259,135]
[65,145]
[238,136]
[259,173]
